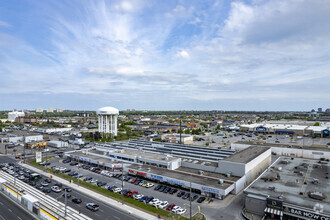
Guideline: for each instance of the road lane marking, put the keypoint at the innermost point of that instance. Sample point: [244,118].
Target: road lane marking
[10,210]
[116,217]
[2,217]
[19,218]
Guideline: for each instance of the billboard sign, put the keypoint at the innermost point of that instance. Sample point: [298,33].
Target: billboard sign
[262,129]
[38,157]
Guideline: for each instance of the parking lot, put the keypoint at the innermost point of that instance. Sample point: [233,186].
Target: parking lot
[25,176]
[162,196]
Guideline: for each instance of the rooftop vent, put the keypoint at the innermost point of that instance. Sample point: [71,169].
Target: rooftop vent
[201,172]
[316,195]
[272,188]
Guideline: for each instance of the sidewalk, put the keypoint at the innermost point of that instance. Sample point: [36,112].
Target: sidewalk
[124,208]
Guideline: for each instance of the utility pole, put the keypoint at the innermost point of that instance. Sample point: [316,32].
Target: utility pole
[180,129]
[66,201]
[190,198]
[122,182]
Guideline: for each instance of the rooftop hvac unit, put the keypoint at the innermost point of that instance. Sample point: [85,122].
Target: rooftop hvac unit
[201,172]
[221,181]
[228,174]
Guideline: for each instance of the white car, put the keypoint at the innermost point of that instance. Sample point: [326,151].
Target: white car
[62,169]
[11,172]
[176,208]
[93,181]
[163,205]
[21,177]
[156,204]
[117,190]
[181,211]
[153,201]
[103,172]
[138,196]
[149,185]
[56,189]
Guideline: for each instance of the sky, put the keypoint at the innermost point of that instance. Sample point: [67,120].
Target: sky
[165,55]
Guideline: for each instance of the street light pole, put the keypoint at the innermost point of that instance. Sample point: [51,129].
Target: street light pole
[66,200]
[122,183]
[190,198]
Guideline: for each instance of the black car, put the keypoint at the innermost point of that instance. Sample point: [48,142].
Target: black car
[201,199]
[186,196]
[68,189]
[181,193]
[67,171]
[167,189]
[68,195]
[26,180]
[72,173]
[100,184]
[87,178]
[158,187]
[46,190]
[48,180]
[86,167]
[148,199]
[76,200]
[193,197]
[137,182]
[39,186]
[92,206]
[33,183]
[58,184]
[162,188]
[143,198]
[73,163]
[172,191]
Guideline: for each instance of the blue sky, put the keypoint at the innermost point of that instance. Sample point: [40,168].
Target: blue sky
[165,55]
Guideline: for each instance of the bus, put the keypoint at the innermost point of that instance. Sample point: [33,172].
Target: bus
[35,177]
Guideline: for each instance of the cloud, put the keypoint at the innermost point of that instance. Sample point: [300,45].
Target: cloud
[191,51]
[183,54]
[4,24]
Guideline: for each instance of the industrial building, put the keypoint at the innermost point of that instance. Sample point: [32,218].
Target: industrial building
[58,144]
[15,114]
[291,188]
[211,172]
[15,139]
[175,138]
[107,119]
[322,131]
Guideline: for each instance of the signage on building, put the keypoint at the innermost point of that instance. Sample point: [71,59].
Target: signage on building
[175,182]
[275,203]
[326,131]
[308,214]
[210,189]
[261,129]
[116,165]
[137,172]
[38,157]
[156,177]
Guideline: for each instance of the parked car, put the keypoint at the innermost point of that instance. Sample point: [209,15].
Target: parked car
[186,196]
[172,191]
[56,189]
[46,190]
[193,197]
[163,205]
[181,211]
[148,199]
[68,195]
[201,199]
[92,206]
[167,189]
[58,184]
[68,189]
[180,194]
[76,200]
[153,201]
[149,185]
[162,188]
[170,207]
[175,208]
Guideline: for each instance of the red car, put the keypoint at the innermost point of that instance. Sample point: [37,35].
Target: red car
[130,193]
[133,181]
[170,207]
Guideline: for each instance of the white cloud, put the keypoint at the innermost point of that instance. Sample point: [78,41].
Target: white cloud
[4,24]
[183,54]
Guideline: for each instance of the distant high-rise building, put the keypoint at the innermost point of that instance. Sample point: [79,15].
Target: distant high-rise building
[319,110]
[39,110]
[50,110]
[59,110]
[327,110]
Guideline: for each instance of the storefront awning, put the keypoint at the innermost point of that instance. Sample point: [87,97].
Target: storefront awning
[273,211]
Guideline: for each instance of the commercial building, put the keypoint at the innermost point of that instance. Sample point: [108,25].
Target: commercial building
[107,120]
[15,139]
[175,138]
[58,144]
[292,188]
[14,114]
[322,131]
[26,119]
[211,172]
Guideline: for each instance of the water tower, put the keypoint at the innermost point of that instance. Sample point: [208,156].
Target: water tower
[107,117]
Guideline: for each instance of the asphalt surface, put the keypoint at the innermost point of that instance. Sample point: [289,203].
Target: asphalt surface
[9,210]
[105,212]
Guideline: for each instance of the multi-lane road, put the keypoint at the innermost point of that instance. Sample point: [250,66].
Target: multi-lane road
[11,210]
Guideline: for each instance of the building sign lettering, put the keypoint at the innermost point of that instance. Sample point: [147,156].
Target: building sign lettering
[175,182]
[137,172]
[308,214]
[261,129]
[156,177]
[210,189]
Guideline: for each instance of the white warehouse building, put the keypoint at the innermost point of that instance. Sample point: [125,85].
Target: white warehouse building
[15,114]
[107,119]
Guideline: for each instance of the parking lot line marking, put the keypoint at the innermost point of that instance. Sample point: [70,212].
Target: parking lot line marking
[2,217]
[1,203]
[19,218]
[116,217]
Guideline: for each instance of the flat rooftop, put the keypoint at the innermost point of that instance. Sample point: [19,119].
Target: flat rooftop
[202,180]
[97,158]
[246,155]
[286,178]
